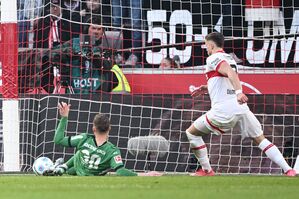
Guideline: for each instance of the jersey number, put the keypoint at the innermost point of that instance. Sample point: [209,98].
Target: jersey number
[234,66]
[93,160]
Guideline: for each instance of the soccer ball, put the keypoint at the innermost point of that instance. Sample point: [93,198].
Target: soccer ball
[41,164]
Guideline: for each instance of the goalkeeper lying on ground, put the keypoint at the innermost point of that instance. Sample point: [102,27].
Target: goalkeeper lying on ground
[95,155]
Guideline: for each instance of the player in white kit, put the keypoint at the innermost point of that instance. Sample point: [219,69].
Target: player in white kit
[228,106]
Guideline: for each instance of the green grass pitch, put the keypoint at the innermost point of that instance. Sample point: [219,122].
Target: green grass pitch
[173,187]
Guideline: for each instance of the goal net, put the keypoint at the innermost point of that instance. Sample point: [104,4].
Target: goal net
[262,36]
[159,46]
[167,116]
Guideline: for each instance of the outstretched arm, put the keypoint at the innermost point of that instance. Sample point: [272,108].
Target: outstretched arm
[126,172]
[59,137]
[117,165]
[196,91]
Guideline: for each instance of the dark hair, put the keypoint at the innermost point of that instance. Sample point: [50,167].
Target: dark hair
[101,123]
[174,62]
[56,2]
[217,38]
[169,60]
[93,20]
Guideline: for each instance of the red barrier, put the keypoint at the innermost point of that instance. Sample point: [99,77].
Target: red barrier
[262,3]
[179,83]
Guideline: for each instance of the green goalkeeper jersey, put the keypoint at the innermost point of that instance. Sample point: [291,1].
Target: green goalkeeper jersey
[89,158]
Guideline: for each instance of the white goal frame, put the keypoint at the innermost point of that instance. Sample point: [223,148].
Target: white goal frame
[10,111]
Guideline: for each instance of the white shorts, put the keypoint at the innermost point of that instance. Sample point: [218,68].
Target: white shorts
[249,125]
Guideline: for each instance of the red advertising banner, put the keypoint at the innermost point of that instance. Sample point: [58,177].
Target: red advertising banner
[180,83]
[262,3]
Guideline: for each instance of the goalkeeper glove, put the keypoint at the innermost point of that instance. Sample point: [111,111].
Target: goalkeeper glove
[58,162]
[60,169]
[57,169]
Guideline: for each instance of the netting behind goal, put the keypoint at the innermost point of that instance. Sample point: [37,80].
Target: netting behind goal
[167,116]
[172,24]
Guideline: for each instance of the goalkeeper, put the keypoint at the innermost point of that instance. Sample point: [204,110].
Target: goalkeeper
[95,155]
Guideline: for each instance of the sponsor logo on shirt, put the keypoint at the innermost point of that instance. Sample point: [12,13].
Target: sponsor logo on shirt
[216,61]
[231,91]
[94,148]
[118,159]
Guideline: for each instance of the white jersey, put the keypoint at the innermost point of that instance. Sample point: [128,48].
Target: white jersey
[223,98]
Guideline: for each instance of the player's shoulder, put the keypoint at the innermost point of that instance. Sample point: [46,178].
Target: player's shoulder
[111,145]
[81,136]
[81,139]
[218,57]
[86,136]
[215,59]
[112,148]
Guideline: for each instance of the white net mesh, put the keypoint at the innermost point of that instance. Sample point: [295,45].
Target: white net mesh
[167,117]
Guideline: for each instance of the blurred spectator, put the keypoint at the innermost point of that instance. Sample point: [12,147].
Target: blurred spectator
[72,5]
[53,29]
[23,23]
[71,9]
[170,63]
[121,84]
[93,8]
[85,65]
[27,10]
[131,9]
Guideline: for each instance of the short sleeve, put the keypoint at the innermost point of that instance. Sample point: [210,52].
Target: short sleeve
[214,61]
[116,160]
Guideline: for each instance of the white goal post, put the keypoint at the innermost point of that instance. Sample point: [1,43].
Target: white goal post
[10,110]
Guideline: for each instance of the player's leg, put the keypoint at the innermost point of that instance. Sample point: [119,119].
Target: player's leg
[272,152]
[198,146]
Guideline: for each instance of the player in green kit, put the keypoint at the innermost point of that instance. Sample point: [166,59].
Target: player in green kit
[95,155]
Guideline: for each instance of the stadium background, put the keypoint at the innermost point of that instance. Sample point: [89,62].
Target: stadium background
[230,14]
[228,17]
[205,18]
